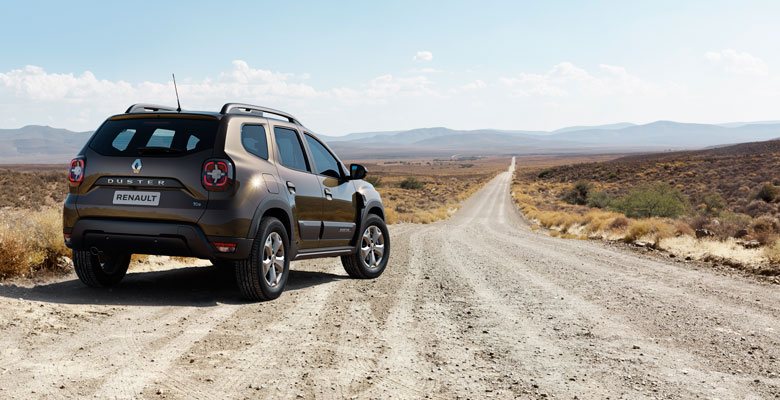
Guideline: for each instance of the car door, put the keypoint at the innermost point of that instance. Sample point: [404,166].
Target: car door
[340,199]
[303,187]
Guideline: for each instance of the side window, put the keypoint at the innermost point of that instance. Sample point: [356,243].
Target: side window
[254,141]
[290,149]
[122,140]
[324,162]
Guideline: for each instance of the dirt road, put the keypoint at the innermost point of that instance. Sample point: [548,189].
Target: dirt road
[475,306]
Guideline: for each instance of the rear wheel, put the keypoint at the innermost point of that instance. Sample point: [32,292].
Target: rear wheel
[263,275]
[100,270]
[373,250]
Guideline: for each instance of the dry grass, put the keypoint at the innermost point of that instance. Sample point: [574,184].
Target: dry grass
[445,184]
[30,242]
[538,191]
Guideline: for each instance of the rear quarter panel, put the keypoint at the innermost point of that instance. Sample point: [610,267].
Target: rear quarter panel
[256,181]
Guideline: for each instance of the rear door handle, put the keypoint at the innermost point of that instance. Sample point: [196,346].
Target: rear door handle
[328,195]
[291,187]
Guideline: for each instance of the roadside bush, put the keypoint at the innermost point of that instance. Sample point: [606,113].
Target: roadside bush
[411,184]
[683,229]
[772,252]
[758,208]
[651,229]
[374,180]
[659,200]
[545,172]
[619,223]
[768,192]
[30,241]
[713,204]
[599,199]
[577,194]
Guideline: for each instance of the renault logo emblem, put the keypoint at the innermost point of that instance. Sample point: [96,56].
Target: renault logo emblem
[136,166]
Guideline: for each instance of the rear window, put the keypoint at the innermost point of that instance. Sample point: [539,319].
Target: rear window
[154,137]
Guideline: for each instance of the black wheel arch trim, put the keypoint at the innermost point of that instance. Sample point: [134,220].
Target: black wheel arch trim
[270,203]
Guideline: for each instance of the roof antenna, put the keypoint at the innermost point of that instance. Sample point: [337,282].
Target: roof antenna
[177,93]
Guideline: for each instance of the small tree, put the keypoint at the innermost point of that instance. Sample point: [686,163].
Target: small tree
[659,200]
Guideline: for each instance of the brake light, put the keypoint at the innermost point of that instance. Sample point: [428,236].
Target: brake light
[225,247]
[217,174]
[76,173]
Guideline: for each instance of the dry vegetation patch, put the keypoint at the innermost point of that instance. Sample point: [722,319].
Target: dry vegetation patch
[712,204]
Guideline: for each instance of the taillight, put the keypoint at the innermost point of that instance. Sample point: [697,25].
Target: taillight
[217,174]
[76,173]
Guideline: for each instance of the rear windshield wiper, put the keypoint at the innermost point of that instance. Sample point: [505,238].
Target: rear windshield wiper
[158,150]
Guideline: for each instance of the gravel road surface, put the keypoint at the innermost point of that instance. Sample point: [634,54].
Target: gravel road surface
[477,306]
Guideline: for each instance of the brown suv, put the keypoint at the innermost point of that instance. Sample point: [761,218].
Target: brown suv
[248,187]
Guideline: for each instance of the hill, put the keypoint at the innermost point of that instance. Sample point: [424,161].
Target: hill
[40,144]
[736,174]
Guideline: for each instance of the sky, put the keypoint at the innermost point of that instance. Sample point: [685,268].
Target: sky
[344,67]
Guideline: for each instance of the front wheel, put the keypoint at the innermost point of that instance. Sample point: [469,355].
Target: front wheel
[373,250]
[264,274]
[100,270]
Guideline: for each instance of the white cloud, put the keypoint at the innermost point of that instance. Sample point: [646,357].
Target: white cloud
[564,94]
[566,80]
[423,56]
[741,63]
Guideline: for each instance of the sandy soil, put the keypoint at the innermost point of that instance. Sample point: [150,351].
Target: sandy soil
[476,306]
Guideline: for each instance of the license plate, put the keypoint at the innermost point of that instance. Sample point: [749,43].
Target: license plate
[135,198]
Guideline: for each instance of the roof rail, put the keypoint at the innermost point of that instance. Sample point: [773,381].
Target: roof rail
[148,107]
[249,108]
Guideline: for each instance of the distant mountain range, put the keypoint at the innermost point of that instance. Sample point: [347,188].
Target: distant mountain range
[35,144]
[614,138]
[43,144]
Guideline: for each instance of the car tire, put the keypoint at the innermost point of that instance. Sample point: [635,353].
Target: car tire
[105,270]
[373,250]
[263,275]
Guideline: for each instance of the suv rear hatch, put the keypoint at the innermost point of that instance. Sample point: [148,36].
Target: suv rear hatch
[148,167]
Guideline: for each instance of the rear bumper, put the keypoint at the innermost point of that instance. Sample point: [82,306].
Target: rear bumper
[157,238]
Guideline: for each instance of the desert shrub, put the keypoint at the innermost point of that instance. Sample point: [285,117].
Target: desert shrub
[598,221]
[637,230]
[599,199]
[577,194]
[682,229]
[765,229]
[619,223]
[757,208]
[30,241]
[652,229]
[699,222]
[545,172]
[772,252]
[768,192]
[659,200]
[713,204]
[466,165]
[374,180]
[411,183]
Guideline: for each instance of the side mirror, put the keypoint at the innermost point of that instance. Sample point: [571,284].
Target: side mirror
[357,171]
